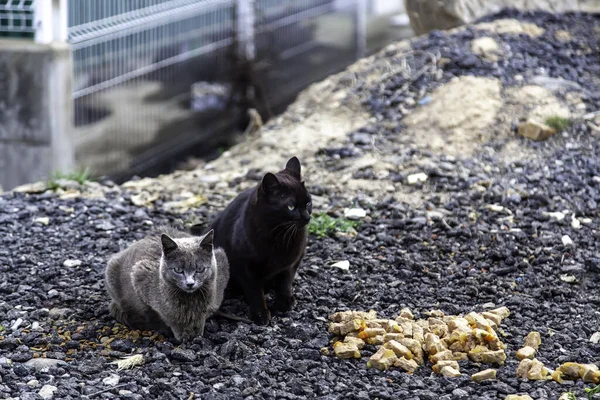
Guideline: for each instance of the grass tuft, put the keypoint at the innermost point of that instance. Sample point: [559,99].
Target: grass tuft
[80,176]
[558,123]
[323,225]
[591,392]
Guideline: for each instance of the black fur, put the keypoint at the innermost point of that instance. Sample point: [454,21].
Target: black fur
[264,240]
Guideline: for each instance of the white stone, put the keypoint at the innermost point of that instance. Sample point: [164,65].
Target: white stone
[495,207]
[47,392]
[595,338]
[344,265]
[33,383]
[355,213]
[557,215]
[575,223]
[52,293]
[111,380]
[72,263]
[413,179]
[42,220]
[17,324]
[566,240]
[568,278]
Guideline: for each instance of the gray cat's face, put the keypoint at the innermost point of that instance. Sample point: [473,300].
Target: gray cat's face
[188,262]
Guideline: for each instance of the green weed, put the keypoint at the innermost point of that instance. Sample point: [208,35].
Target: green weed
[591,392]
[558,123]
[322,225]
[80,176]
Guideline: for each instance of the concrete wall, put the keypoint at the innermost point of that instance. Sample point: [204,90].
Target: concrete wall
[35,111]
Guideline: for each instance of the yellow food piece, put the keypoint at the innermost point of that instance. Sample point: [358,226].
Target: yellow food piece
[418,333]
[376,340]
[459,324]
[371,332]
[502,312]
[589,373]
[344,316]
[433,344]
[406,313]
[523,368]
[487,374]
[537,372]
[518,397]
[526,352]
[445,363]
[488,356]
[496,319]
[392,336]
[346,350]
[533,340]
[399,349]
[459,356]
[382,359]
[569,370]
[415,348]
[409,366]
[441,356]
[449,372]
[477,321]
[359,343]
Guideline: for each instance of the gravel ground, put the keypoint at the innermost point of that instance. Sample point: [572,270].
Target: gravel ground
[454,252]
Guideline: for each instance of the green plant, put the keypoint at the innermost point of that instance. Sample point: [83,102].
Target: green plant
[322,225]
[591,392]
[558,123]
[80,176]
[571,396]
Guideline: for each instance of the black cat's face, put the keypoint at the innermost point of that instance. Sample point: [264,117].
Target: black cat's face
[284,198]
[189,262]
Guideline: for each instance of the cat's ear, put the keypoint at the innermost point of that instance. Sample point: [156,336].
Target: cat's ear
[208,240]
[269,183]
[293,166]
[168,244]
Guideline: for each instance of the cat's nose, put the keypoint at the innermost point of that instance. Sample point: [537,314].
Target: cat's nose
[305,216]
[190,285]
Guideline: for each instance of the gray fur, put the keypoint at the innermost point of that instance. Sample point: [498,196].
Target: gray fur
[168,280]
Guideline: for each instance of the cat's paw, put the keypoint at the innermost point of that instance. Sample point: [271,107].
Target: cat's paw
[284,303]
[261,317]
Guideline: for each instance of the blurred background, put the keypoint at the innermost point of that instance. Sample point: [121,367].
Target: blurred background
[123,88]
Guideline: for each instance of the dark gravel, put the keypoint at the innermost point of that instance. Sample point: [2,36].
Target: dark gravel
[456,255]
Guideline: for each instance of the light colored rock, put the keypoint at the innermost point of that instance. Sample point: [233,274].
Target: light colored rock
[343,316]
[566,240]
[563,36]
[72,263]
[486,47]
[535,130]
[343,265]
[487,374]
[37,187]
[355,213]
[43,364]
[47,392]
[556,215]
[18,322]
[42,220]
[419,177]
[33,383]
[111,380]
[595,337]
[518,397]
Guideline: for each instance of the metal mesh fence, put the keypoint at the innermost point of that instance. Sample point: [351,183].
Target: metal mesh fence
[16,18]
[146,73]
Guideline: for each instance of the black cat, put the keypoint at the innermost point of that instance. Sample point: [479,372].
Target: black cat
[263,232]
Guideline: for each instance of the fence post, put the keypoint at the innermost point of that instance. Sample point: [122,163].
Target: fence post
[245,29]
[50,21]
[360,28]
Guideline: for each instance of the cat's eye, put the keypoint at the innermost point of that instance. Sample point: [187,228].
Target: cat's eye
[178,270]
[291,207]
[308,204]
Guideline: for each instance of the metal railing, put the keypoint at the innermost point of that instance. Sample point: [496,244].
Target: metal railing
[16,18]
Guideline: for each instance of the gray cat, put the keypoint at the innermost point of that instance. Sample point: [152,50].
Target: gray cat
[170,280]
